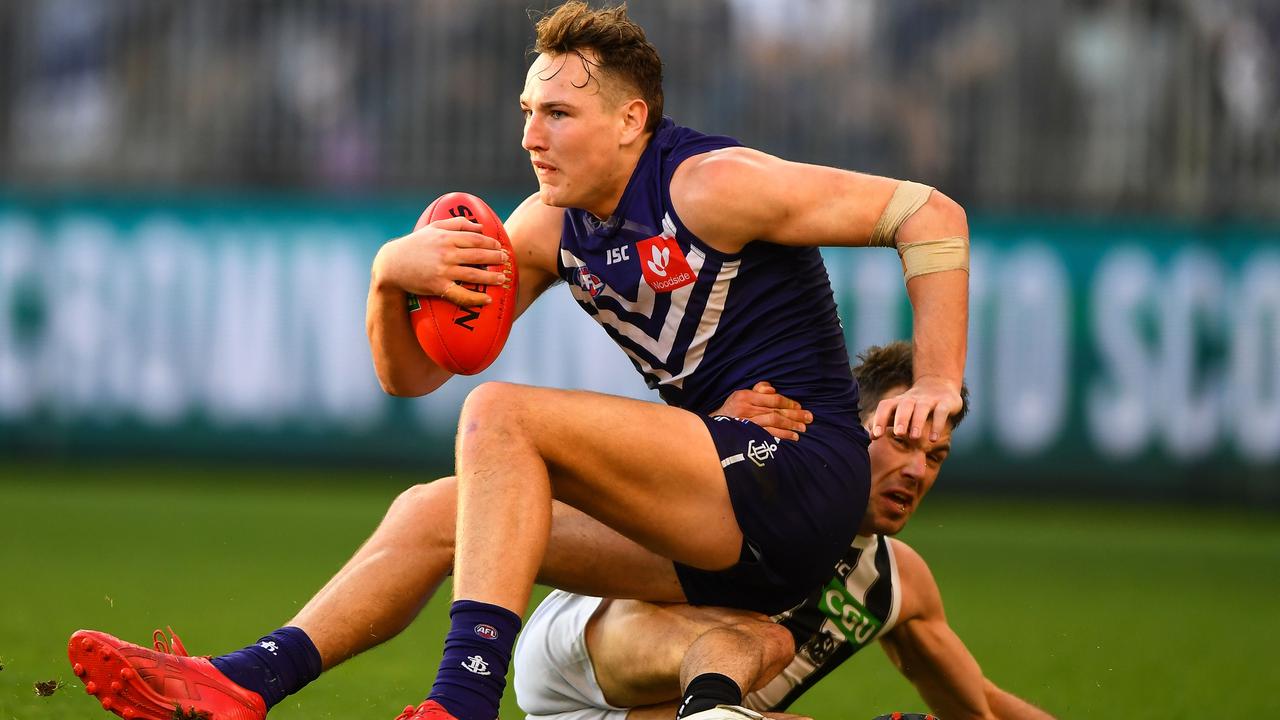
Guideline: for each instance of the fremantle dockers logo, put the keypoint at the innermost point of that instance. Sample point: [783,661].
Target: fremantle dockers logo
[760,452]
[589,282]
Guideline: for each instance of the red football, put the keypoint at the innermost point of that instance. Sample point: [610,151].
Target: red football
[465,340]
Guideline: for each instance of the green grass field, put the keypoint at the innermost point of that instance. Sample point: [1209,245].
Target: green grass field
[1088,610]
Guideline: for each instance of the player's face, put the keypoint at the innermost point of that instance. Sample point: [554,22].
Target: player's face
[575,135]
[903,471]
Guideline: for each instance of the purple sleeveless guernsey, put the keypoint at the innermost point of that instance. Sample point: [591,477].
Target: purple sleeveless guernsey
[696,322]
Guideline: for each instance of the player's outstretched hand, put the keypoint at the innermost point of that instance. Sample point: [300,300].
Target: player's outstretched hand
[766,407]
[931,400]
[436,260]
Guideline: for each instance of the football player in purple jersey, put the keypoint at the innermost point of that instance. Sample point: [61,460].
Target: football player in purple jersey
[712,281]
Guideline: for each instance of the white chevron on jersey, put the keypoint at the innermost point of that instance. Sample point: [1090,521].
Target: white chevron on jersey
[661,348]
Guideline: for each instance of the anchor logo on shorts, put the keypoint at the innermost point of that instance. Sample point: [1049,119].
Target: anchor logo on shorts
[476,664]
[760,452]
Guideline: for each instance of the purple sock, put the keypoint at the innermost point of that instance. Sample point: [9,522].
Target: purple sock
[275,667]
[477,653]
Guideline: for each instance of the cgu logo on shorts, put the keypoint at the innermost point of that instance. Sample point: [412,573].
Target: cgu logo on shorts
[663,264]
[488,632]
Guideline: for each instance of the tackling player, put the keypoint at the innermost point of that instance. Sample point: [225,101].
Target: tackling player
[700,258]
[584,658]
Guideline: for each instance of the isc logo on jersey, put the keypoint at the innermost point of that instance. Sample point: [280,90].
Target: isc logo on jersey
[663,264]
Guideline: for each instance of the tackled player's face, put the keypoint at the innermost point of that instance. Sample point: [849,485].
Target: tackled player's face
[575,134]
[903,471]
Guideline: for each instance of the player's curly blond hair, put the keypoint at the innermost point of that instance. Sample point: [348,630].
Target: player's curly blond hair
[619,46]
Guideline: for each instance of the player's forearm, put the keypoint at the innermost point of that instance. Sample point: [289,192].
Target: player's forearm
[940,314]
[1008,706]
[934,245]
[403,369]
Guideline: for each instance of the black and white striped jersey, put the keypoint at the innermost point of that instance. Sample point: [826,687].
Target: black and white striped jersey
[860,602]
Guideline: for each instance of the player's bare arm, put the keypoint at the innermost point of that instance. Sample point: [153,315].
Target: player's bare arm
[432,261]
[930,654]
[733,196]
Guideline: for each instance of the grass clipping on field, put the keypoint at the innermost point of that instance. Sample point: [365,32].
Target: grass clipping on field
[48,687]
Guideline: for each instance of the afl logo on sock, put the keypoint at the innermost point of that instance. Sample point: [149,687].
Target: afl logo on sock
[488,632]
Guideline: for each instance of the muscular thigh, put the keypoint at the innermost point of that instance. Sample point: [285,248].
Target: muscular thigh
[587,557]
[647,470]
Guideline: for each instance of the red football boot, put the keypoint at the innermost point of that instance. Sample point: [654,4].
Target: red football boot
[428,710]
[162,684]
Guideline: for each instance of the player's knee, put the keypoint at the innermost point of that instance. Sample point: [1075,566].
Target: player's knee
[490,402]
[419,500]
[428,510]
[777,646]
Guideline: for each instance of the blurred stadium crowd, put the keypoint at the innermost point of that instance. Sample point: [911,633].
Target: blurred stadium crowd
[1167,107]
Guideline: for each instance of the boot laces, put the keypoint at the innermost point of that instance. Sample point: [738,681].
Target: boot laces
[171,645]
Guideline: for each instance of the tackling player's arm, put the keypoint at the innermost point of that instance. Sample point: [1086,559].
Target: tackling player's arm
[930,654]
[763,405]
[430,262]
[733,196]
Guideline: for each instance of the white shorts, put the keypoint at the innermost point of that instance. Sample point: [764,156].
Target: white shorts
[554,678]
